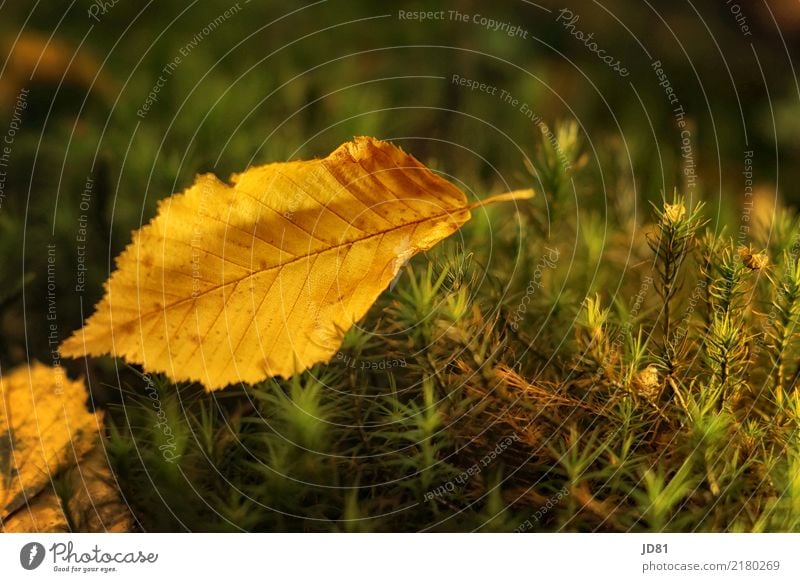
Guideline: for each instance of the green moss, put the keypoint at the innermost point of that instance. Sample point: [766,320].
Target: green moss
[448,408]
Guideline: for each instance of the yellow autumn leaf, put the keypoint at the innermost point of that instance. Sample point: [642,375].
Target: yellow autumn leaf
[48,437]
[94,503]
[262,277]
[42,513]
[44,429]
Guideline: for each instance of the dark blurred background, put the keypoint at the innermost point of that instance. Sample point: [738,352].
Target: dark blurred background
[115,105]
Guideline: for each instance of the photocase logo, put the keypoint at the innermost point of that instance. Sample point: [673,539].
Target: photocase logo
[31,555]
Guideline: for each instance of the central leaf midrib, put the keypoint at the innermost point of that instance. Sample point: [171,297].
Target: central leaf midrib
[294,260]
